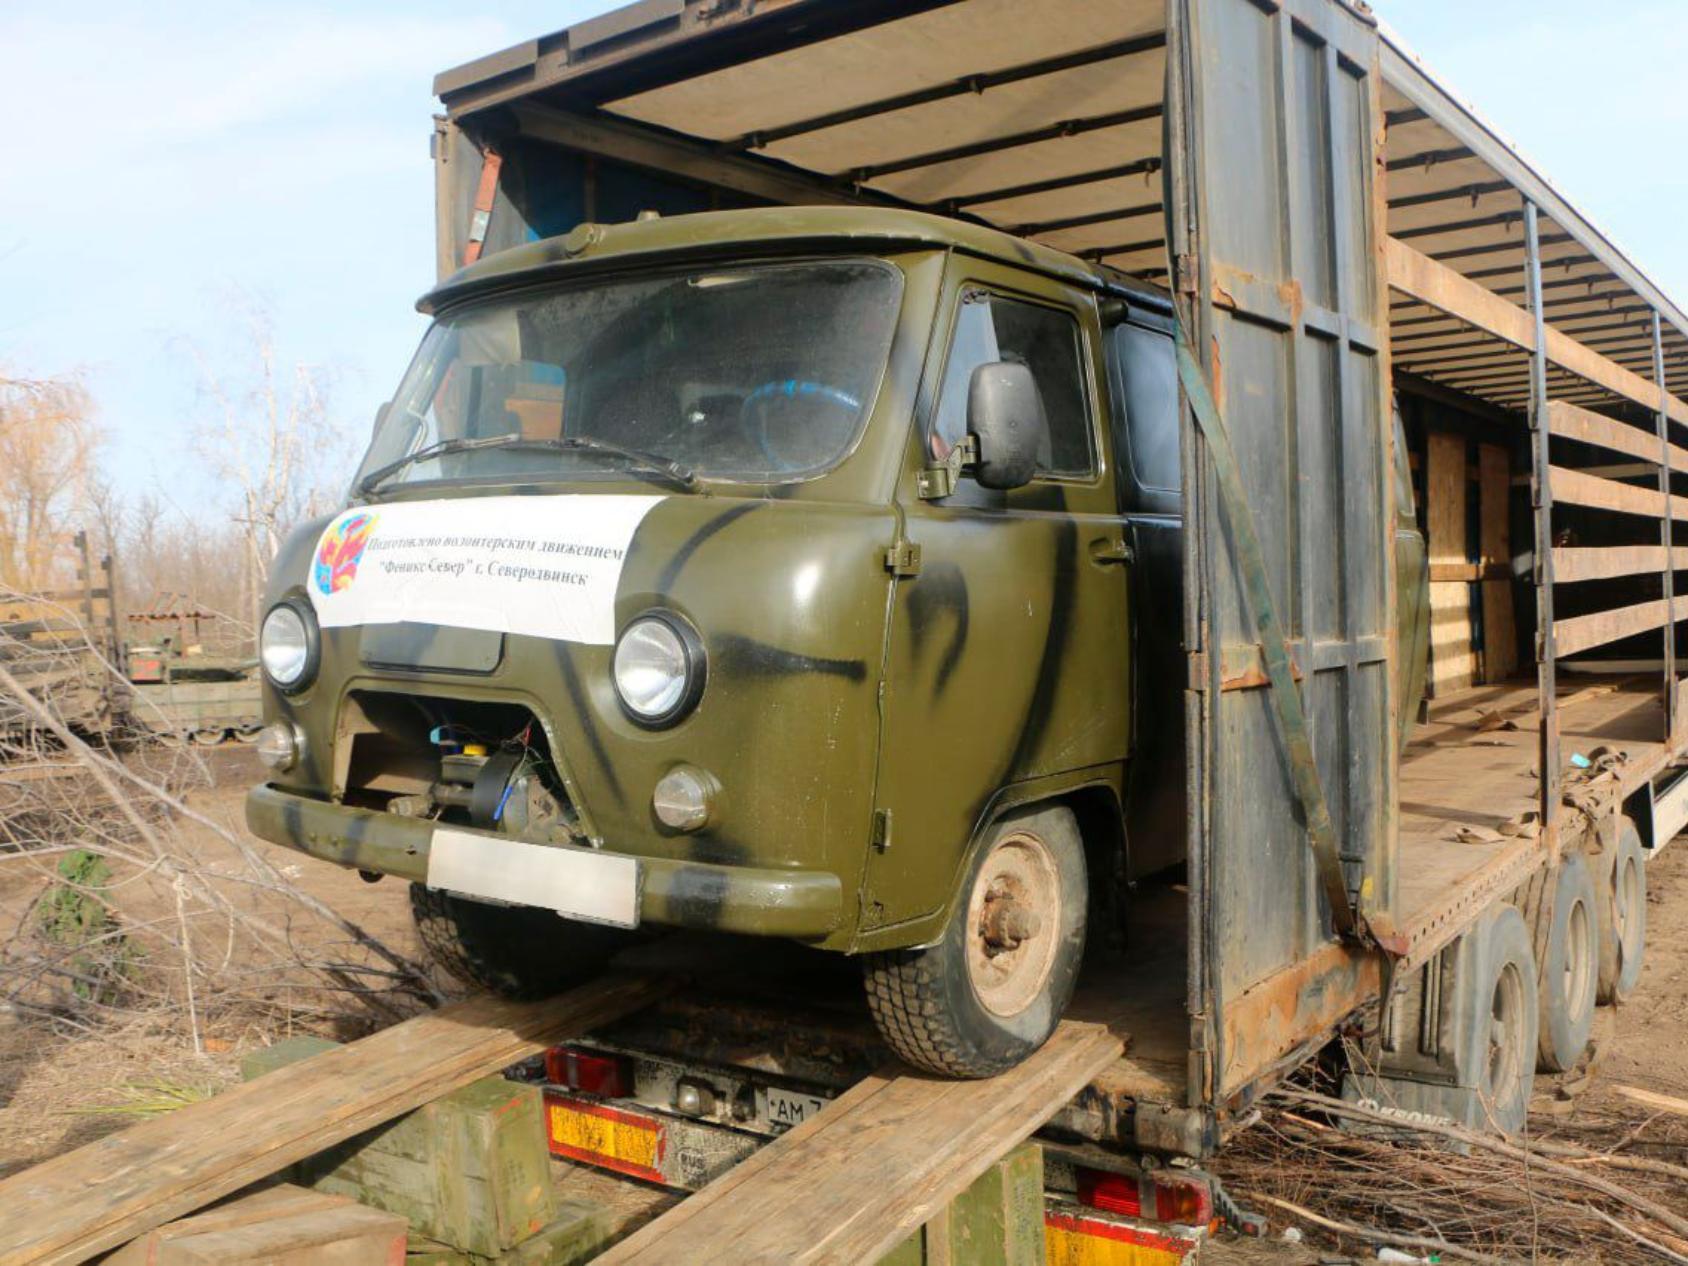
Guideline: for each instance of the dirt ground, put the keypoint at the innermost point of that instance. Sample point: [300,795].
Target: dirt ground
[58,1093]
[1643,1043]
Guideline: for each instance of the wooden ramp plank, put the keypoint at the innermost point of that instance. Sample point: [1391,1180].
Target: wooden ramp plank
[855,1181]
[112,1190]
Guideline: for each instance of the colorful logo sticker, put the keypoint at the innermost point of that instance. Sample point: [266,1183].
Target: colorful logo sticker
[340,552]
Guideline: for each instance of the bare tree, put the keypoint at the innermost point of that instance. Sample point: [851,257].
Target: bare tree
[270,440]
[48,443]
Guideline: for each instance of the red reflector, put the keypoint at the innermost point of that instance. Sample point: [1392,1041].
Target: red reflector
[1171,1196]
[1111,1193]
[607,1075]
[1182,1198]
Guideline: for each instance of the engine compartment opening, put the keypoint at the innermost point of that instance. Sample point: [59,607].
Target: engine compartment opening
[460,761]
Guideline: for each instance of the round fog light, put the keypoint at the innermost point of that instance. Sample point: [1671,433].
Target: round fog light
[684,798]
[278,746]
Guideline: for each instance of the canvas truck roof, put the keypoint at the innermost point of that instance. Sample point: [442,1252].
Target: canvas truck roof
[1048,129]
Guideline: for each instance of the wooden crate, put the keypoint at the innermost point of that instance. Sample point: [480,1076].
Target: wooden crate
[470,1170]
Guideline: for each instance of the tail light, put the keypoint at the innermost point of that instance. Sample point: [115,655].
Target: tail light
[608,1076]
[1162,1195]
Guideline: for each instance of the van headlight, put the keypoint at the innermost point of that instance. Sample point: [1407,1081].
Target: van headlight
[289,645]
[659,668]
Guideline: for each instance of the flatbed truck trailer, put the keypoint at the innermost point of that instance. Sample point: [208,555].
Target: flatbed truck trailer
[1332,240]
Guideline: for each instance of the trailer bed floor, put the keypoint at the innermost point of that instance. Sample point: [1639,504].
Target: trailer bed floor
[1466,768]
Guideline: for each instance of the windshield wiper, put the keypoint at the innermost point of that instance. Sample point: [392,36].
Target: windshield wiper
[651,463]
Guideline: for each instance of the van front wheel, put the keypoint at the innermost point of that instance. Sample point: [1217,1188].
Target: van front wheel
[512,951]
[993,987]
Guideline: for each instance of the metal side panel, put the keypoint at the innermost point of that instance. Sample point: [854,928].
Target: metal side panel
[1274,131]
[1670,811]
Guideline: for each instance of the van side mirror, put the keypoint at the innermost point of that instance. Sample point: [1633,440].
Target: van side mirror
[381,412]
[1005,417]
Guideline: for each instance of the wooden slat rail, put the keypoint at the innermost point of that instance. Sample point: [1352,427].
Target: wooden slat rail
[1574,563]
[1575,423]
[108,1192]
[1415,273]
[856,1180]
[1610,494]
[1584,632]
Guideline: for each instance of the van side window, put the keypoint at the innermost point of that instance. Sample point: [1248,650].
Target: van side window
[991,328]
[1148,387]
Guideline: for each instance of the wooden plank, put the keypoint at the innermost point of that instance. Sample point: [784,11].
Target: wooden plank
[1576,423]
[283,1226]
[852,1183]
[1583,632]
[1609,494]
[1452,664]
[1469,572]
[1602,563]
[112,1190]
[1494,490]
[1416,274]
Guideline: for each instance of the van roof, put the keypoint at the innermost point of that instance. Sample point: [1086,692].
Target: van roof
[773,230]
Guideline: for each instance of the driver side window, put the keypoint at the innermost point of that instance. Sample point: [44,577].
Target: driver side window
[990,327]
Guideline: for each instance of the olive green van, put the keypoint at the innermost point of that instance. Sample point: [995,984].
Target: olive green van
[806,573]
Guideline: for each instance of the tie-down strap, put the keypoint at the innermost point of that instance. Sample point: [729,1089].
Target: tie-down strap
[1257,591]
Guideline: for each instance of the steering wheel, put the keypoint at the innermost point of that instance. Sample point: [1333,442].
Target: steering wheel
[788,389]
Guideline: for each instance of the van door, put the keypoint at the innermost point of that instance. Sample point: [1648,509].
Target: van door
[1008,658]
[1275,129]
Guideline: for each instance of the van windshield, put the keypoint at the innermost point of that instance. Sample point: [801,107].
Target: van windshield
[763,374]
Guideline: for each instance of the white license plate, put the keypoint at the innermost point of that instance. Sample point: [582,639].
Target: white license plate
[787,1108]
[595,887]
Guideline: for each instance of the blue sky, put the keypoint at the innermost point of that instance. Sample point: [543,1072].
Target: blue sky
[164,159]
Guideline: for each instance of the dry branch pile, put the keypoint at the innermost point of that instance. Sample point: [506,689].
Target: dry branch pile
[1605,1186]
[133,906]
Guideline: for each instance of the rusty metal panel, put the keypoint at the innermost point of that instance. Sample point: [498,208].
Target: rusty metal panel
[1276,233]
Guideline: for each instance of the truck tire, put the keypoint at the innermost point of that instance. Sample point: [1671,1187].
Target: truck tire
[1622,902]
[993,987]
[1568,962]
[512,951]
[1505,1011]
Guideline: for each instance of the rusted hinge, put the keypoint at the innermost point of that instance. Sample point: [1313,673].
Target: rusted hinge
[902,558]
[1197,661]
[1185,271]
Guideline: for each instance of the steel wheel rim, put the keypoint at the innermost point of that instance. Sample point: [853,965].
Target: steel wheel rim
[1577,978]
[1506,1034]
[1013,924]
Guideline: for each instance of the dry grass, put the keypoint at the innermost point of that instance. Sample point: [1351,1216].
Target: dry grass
[144,943]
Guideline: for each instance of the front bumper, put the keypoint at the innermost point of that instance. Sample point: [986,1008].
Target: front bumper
[802,904]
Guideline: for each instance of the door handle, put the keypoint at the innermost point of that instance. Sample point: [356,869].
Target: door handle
[1111,550]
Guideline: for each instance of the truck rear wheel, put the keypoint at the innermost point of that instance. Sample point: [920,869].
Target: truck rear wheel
[1622,903]
[1567,950]
[1507,1017]
[992,989]
[513,951]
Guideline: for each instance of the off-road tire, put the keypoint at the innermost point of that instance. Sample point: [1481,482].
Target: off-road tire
[924,1001]
[1623,940]
[1567,932]
[512,951]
